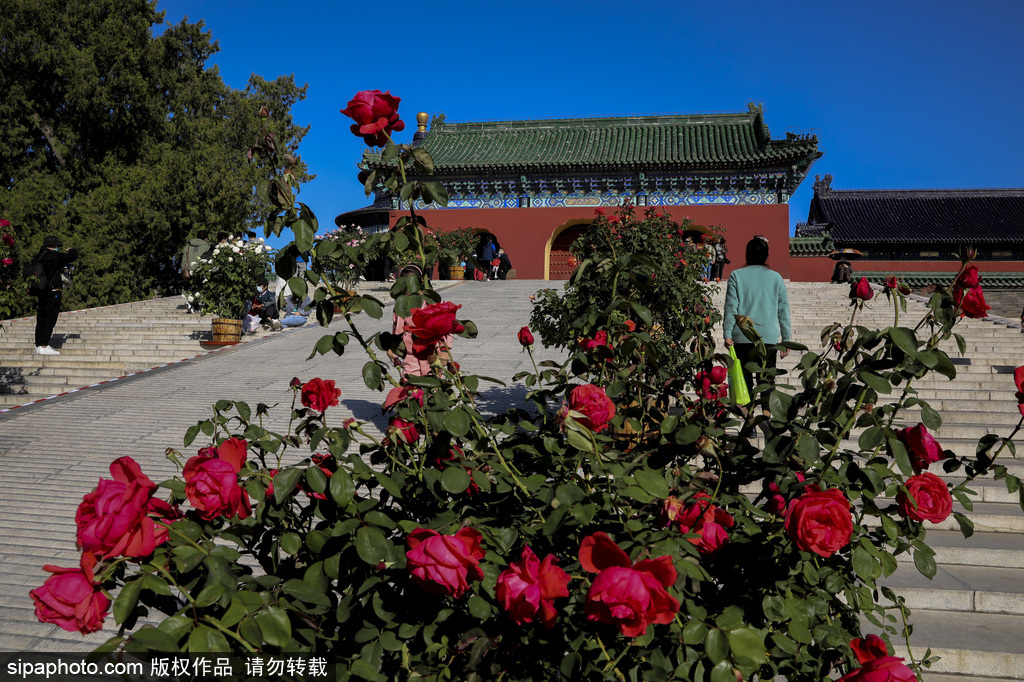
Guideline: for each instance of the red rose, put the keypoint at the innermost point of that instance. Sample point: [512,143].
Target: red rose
[968,278]
[323,462]
[703,518]
[627,595]
[876,663]
[972,302]
[318,394]
[444,564]
[376,116]
[525,337]
[9,240]
[921,446]
[431,324]
[711,385]
[211,485]
[590,406]
[1018,380]
[820,521]
[5,223]
[893,283]
[931,495]
[600,339]
[528,587]
[114,519]
[405,430]
[400,394]
[71,599]
[630,325]
[862,290]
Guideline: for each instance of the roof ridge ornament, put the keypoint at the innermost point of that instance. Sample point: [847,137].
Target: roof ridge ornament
[823,186]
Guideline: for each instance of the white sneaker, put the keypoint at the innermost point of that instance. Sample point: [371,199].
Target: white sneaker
[46,350]
[276,325]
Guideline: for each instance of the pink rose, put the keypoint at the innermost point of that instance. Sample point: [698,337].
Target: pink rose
[820,521]
[115,518]
[444,564]
[9,240]
[211,485]
[7,261]
[931,495]
[876,663]
[376,116]
[703,518]
[71,599]
[862,290]
[921,446]
[318,394]
[528,587]
[593,407]
[525,337]
[627,595]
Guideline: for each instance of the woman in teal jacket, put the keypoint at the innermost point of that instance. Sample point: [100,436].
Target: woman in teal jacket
[757,292]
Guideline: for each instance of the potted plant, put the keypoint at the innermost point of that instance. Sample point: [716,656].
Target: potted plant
[455,245]
[224,280]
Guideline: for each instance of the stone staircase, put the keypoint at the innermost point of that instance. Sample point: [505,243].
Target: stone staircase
[972,613]
[97,345]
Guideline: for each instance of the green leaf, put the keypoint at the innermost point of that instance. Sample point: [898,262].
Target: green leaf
[652,481]
[127,599]
[457,422]
[641,312]
[372,376]
[455,480]
[875,381]
[341,487]
[285,481]
[904,339]
[304,233]
[930,417]
[371,545]
[716,645]
[438,192]
[925,562]
[747,643]
[275,626]
[899,454]
[578,440]
[865,565]
[291,543]
[872,437]
[205,639]
[372,307]
[479,608]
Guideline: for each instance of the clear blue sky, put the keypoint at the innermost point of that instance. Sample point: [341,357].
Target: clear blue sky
[902,94]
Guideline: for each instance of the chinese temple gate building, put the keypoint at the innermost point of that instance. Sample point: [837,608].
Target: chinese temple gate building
[914,233]
[534,184]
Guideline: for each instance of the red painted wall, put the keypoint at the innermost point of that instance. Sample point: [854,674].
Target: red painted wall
[819,268]
[525,233]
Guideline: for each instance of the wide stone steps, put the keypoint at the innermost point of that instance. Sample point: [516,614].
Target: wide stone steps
[972,613]
[97,345]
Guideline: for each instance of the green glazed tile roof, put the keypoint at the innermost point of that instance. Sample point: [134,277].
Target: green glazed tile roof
[692,142]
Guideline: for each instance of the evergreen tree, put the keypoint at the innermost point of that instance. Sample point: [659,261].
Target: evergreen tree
[124,143]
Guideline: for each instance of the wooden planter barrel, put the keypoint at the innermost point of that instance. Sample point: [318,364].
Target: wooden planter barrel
[456,272]
[226,330]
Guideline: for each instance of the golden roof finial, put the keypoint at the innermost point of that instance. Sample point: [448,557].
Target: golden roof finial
[421,121]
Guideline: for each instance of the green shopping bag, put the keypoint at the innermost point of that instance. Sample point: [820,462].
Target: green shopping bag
[739,394]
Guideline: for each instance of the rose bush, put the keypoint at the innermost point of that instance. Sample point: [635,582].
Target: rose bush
[414,554]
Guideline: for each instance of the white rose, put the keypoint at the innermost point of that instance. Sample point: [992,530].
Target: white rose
[236,249]
[231,260]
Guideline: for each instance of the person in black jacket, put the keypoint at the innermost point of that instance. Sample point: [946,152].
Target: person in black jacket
[48,305]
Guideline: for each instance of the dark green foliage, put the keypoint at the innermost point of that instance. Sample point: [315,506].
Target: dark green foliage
[124,143]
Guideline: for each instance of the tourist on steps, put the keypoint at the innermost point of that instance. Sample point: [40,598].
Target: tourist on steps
[48,302]
[759,293]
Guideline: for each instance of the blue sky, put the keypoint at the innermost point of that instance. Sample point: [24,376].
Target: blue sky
[902,94]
